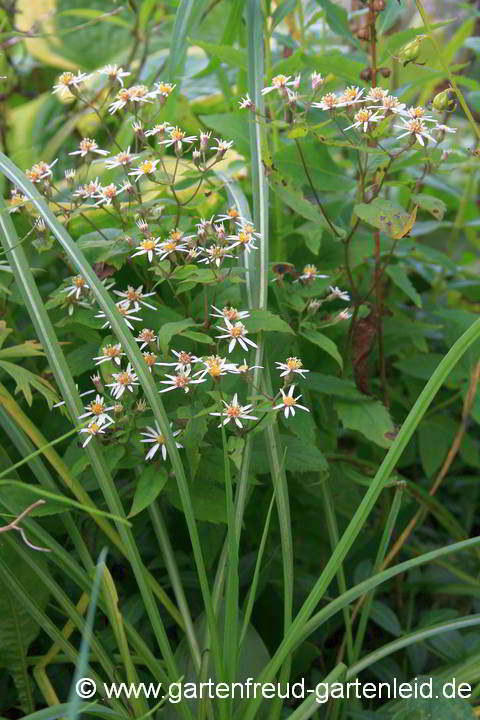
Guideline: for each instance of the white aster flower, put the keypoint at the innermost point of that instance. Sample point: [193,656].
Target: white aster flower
[145,337]
[309,274]
[124,380]
[414,128]
[280,83]
[108,194]
[181,381]
[244,368]
[87,145]
[246,103]
[154,436]
[418,113]
[147,247]
[215,254]
[40,171]
[77,287]
[114,72]
[444,128]
[317,80]
[234,411]
[121,159]
[352,95]
[159,129]
[135,297]
[110,353]
[335,292]
[230,216]
[170,246]
[126,312]
[365,117]
[215,366]
[236,333]
[67,81]
[98,410]
[222,146]
[150,360]
[178,139]
[93,430]
[330,101]
[147,167]
[184,360]
[292,365]
[164,89]
[392,104]
[289,403]
[90,190]
[376,94]
[231,313]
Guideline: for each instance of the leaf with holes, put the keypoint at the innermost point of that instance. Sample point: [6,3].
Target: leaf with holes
[391,219]
[431,204]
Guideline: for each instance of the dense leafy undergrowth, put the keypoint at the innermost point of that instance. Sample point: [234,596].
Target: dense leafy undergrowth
[239,349]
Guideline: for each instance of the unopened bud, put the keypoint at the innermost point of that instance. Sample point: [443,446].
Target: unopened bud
[410,51]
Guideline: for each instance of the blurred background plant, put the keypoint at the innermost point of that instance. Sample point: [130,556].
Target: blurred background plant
[362,274]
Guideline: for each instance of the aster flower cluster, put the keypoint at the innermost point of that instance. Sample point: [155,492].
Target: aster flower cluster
[366,107]
[116,399]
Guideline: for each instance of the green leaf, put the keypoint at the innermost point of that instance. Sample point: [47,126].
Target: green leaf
[266,320]
[399,276]
[293,197]
[317,338]
[435,706]
[208,500]
[338,20]
[149,486]
[431,204]
[168,330]
[392,219]
[281,12]
[300,457]
[370,418]
[434,437]
[225,53]
[17,627]
[340,65]
[331,385]
[231,125]
[27,380]
[384,616]
[326,175]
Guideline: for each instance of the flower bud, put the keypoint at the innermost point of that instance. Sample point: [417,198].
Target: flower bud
[411,51]
[440,101]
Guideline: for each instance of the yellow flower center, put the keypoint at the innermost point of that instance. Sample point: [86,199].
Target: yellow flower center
[148,244]
[233,213]
[93,428]
[165,88]
[149,358]
[87,144]
[177,135]
[310,270]
[185,358]
[230,313]
[363,116]
[65,79]
[294,363]
[97,408]
[111,351]
[181,380]
[160,439]
[279,81]
[289,401]
[147,167]
[132,294]
[237,330]
[124,378]
[233,411]
[147,335]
